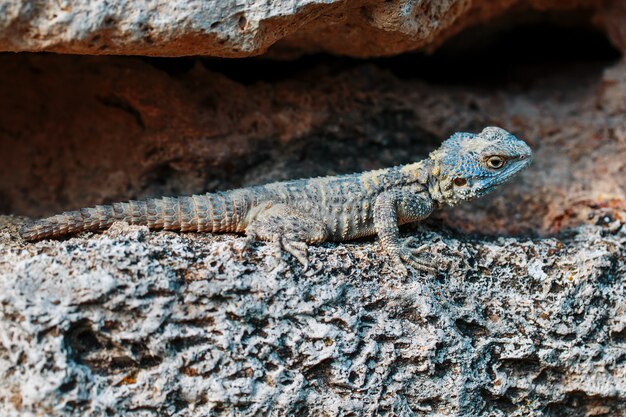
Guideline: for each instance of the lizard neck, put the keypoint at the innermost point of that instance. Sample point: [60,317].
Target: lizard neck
[396,177]
[415,173]
[438,190]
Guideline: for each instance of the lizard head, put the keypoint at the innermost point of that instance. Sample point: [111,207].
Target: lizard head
[470,165]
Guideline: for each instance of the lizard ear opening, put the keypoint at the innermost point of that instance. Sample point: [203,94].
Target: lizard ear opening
[459,182]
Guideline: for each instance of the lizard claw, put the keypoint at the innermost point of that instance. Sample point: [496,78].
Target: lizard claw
[297,249]
[413,257]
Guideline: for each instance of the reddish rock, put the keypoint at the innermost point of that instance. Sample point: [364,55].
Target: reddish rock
[78,131]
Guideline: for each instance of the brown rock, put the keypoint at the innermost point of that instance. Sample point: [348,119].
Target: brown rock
[78,131]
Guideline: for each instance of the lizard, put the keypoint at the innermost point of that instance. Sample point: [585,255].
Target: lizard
[294,214]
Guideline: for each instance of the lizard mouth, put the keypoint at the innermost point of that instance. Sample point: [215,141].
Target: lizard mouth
[521,163]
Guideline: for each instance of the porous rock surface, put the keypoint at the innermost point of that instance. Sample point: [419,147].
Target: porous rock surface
[235,28]
[527,319]
[136,323]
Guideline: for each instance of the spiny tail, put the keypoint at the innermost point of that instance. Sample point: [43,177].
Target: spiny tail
[220,212]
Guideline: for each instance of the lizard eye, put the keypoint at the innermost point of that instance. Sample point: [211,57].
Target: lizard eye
[459,182]
[496,162]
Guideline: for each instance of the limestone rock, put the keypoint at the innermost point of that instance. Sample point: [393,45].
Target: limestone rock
[134,322]
[235,28]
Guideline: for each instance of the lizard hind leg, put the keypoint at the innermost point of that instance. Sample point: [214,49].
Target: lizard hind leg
[289,229]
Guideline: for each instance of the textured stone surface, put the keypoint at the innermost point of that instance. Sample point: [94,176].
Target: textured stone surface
[229,28]
[529,319]
[137,323]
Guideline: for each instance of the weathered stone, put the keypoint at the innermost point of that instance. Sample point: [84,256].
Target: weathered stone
[235,28]
[188,325]
[527,320]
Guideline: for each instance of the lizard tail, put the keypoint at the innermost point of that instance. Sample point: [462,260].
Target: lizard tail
[203,213]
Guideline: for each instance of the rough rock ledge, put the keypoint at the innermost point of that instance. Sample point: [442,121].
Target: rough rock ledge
[131,322]
[235,28]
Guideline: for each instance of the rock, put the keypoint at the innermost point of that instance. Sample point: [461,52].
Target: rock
[527,319]
[191,325]
[360,28]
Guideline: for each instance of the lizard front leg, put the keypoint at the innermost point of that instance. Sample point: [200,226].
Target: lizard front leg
[397,206]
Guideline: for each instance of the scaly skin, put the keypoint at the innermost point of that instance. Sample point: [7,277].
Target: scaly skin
[293,214]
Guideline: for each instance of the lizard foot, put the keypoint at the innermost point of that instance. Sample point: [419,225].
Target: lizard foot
[413,257]
[288,229]
[445,257]
[297,249]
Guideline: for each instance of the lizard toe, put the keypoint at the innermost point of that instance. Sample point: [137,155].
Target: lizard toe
[298,250]
[247,245]
[411,241]
[401,269]
[412,258]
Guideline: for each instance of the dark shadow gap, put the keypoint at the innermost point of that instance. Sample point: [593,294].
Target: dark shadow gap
[513,50]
